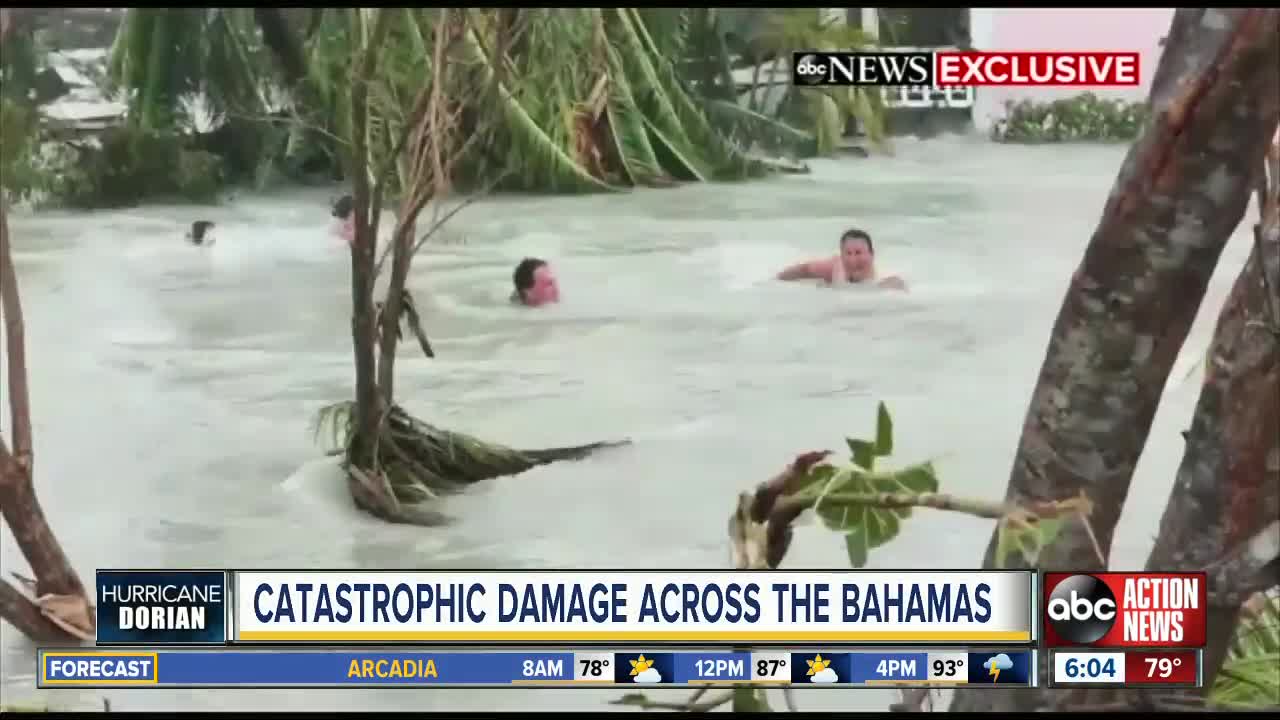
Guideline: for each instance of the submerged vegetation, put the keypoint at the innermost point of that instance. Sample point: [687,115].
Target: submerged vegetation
[1083,118]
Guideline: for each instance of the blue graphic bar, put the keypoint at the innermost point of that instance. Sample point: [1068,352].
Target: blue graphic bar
[234,668]
[868,668]
[712,667]
[350,667]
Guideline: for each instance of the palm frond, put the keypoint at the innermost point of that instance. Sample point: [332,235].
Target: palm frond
[539,151]
[1250,677]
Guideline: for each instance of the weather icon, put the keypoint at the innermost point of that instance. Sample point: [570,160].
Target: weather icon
[820,670]
[996,664]
[643,671]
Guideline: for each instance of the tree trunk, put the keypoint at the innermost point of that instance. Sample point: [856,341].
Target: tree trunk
[1180,193]
[1228,485]
[363,250]
[18,503]
[401,258]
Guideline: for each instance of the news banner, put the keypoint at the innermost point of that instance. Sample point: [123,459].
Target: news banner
[852,629]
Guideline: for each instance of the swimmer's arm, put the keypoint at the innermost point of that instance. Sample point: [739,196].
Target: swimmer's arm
[893,282]
[800,271]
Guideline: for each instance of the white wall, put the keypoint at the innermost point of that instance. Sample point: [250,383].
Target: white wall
[1120,29]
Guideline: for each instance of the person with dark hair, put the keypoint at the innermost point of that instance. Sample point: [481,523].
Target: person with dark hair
[535,283]
[201,233]
[344,212]
[856,263]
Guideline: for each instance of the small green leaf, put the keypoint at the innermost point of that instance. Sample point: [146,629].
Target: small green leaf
[864,453]
[855,543]
[884,432]
[842,507]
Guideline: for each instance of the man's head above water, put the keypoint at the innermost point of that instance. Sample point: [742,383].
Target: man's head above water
[535,283]
[858,255]
[344,216]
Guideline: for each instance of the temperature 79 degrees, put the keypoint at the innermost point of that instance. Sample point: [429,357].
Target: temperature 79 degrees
[1163,668]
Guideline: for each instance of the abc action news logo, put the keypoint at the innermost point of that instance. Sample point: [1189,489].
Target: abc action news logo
[966,68]
[1125,609]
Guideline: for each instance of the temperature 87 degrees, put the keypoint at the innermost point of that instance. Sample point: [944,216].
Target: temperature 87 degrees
[770,667]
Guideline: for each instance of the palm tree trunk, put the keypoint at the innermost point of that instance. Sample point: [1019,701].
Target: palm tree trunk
[1181,192]
[363,249]
[401,257]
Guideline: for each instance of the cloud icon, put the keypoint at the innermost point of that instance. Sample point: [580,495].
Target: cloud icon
[999,662]
[825,675]
[649,676]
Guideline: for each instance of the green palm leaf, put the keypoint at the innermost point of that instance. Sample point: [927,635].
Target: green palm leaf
[652,97]
[558,169]
[628,128]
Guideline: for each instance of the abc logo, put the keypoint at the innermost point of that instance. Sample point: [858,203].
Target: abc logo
[810,69]
[1081,609]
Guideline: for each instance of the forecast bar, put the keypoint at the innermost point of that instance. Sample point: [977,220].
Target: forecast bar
[347,667]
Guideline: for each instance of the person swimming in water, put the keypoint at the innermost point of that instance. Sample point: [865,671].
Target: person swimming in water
[535,283]
[856,263]
[201,233]
[344,212]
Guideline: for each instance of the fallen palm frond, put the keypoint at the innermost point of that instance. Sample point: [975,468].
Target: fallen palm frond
[417,462]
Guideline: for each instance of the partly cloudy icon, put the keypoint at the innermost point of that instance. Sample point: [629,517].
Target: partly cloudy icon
[825,675]
[820,670]
[996,664]
[644,672]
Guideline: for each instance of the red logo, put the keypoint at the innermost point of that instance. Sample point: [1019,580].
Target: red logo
[1093,69]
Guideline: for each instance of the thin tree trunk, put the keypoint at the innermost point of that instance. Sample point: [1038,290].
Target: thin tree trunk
[391,309]
[18,503]
[364,247]
[1182,190]
[1228,486]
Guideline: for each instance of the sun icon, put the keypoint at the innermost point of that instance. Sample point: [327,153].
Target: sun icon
[817,665]
[640,665]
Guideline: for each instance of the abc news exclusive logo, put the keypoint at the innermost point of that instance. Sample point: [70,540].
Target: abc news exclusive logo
[966,68]
[1124,609]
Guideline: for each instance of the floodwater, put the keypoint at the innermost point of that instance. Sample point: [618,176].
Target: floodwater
[174,387]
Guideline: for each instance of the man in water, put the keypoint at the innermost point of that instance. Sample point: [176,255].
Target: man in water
[856,263]
[535,283]
[201,233]
[344,212]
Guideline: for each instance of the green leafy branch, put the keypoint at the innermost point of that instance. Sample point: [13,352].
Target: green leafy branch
[868,505]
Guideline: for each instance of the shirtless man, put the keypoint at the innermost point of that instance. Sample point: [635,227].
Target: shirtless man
[856,263]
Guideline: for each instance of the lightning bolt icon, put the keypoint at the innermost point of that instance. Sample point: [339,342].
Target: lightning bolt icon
[995,673]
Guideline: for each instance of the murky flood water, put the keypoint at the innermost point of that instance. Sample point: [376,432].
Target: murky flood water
[173,387]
